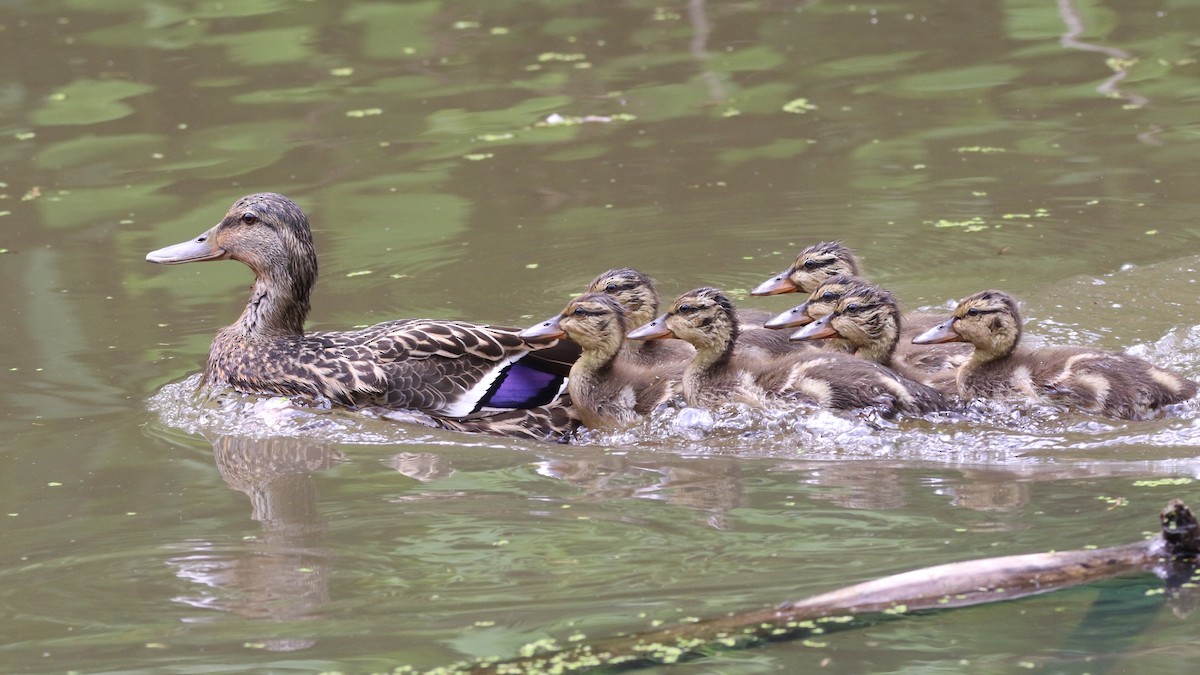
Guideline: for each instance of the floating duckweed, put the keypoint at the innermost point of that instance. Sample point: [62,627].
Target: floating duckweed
[898,609]
[359,273]
[494,137]
[1162,482]
[1151,232]
[1119,64]
[798,106]
[543,645]
[478,156]
[576,637]
[559,56]
[970,225]
[500,542]
[981,149]
[484,624]
[690,619]
[731,112]
[463,25]
[845,618]
[24,135]
[155,645]
[365,112]
[254,645]
[54,484]
[815,644]
[531,266]
[498,30]
[341,72]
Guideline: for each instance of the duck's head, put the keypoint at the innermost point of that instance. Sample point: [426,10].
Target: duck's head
[632,289]
[866,316]
[989,320]
[812,266]
[822,301]
[593,320]
[704,317]
[266,231]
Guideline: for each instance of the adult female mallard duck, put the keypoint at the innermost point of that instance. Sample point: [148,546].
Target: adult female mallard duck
[609,389]
[448,369]
[1095,381]
[881,334]
[724,372]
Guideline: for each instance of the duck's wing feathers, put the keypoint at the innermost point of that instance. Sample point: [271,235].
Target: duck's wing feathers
[447,368]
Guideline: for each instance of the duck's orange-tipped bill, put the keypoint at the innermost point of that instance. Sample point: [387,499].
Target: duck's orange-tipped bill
[796,316]
[655,330]
[943,332]
[780,283]
[816,331]
[550,329]
[201,248]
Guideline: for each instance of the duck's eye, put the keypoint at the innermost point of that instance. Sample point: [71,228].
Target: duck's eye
[829,295]
[974,311]
[611,288]
[249,218]
[811,264]
[853,307]
[687,309]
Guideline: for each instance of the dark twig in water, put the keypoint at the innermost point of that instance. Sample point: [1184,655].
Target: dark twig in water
[1172,556]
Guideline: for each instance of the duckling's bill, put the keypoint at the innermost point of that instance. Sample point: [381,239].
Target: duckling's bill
[943,332]
[796,316]
[781,283]
[655,330]
[816,331]
[201,248]
[550,329]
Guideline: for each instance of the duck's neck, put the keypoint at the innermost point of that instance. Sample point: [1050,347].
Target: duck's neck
[883,336]
[278,304]
[714,353]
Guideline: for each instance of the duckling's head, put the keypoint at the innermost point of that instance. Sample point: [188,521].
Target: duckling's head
[266,231]
[989,320]
[866,316]
[812,266]
[822,301]
[593,320]
[704,317]
[634,290]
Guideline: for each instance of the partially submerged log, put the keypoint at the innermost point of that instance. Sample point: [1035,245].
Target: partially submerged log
[1172,555]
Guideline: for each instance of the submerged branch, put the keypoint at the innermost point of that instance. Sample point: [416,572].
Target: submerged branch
[944,586]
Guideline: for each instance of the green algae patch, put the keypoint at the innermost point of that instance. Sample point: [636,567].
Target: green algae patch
[89,102]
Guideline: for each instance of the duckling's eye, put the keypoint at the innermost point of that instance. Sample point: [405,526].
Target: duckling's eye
[687,309]
[829,295]
[974,311]
[811,264]
[249,218]
[610,288]
[853,307]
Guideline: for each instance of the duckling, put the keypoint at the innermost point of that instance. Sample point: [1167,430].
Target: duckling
[723,371]
[441,368]
[887,340]
[822,262]
[1100,382]
[609,389]
[637,294]
[867,318]
[812,266]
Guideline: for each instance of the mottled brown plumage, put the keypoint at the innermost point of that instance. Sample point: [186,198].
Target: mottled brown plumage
[813,266]
[443,368]
[724,372]
[887,340]
[1092,380]
[609,388]
[637,295]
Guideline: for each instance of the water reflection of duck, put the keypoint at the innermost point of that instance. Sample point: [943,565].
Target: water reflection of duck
[867,318]
[723,371]
[1095,381]
[445,368]
[609,388]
